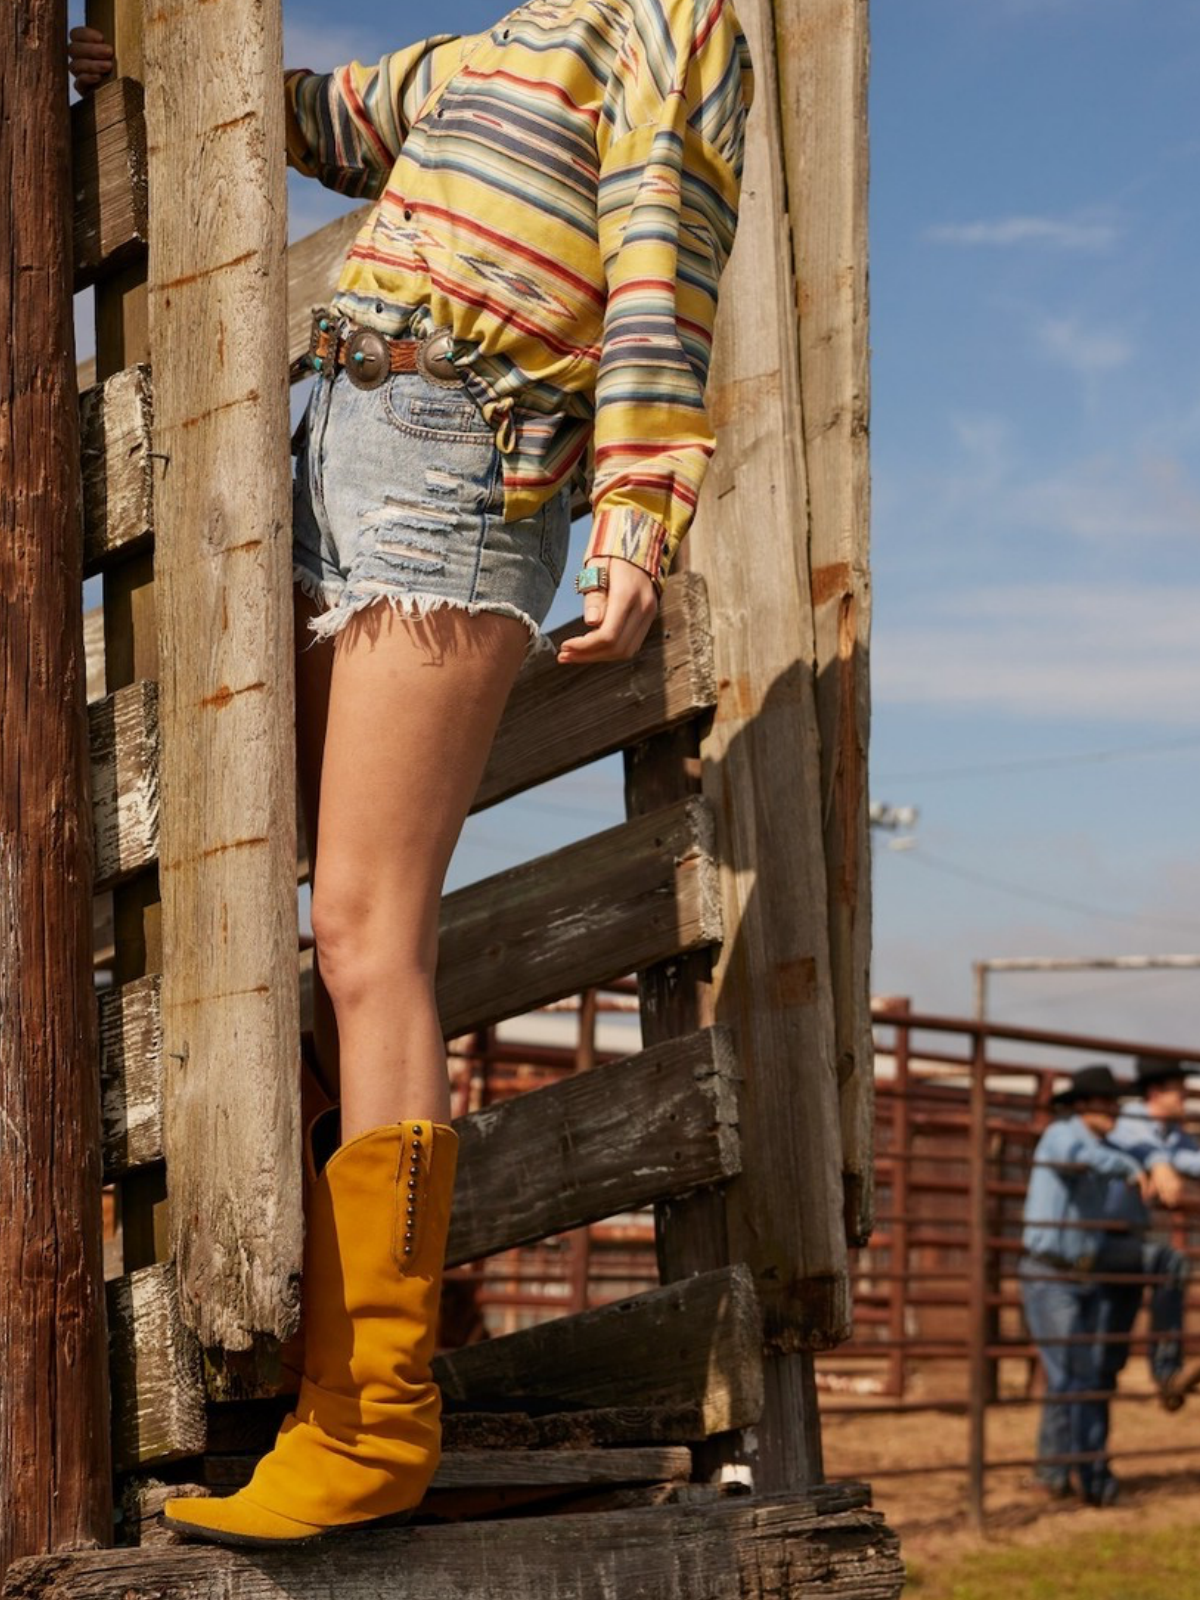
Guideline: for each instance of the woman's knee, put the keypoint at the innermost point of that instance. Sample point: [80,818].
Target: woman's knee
[362,944]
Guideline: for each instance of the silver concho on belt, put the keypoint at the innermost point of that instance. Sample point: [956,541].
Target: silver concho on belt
[433,357]
[367,359]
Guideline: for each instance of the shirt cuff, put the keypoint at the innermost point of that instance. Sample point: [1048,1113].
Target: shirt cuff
[633,536]
[299,156]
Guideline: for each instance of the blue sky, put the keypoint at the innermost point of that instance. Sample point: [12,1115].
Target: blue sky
[1036,481]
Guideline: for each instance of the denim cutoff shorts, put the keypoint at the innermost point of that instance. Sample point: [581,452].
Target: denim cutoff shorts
[399,496]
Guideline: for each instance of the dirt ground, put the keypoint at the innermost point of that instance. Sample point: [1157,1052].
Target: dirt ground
[928,1508]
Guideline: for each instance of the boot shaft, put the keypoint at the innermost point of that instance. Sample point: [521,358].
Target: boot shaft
[374,1255]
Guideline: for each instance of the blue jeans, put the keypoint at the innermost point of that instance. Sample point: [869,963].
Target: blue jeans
[1120,1304]
[1059,1308]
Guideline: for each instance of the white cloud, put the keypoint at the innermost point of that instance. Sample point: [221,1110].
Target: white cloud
[1057,650]
[1112,499]
[1082,349]
[1059,233]
[1143,490]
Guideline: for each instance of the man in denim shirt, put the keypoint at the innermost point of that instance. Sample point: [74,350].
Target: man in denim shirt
[1068,1187]
[1150,1130]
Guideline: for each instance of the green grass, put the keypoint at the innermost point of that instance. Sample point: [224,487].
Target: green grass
[1163,1565]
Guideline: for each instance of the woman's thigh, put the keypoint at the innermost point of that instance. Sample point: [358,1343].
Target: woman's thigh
[413,708]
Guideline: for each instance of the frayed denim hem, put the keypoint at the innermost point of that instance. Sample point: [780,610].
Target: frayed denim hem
[338,613]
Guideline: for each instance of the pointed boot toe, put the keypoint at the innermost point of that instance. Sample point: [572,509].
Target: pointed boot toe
[235,1520]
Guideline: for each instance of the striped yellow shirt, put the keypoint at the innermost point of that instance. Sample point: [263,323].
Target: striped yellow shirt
[561,192]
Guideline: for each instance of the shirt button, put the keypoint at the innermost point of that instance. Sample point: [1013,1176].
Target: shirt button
[379,306]
[407,214]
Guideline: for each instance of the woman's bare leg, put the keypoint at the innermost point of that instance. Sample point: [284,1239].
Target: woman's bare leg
[314,666]
[413,709]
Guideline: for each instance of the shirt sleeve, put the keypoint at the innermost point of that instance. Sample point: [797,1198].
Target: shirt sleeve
[670,178]
[345,127]
[1184,1154]
[1139,1137]
[1103,1158]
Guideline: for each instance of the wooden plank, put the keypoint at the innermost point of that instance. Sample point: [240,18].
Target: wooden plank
[823,46]
[109,179]
[558,720]
[223,601]
[158,1388]
[142,1502]
[123,738]
[609,1140]
[93,647]
[574,1430]
[54,1459]
[131,1075]
[515,1469]
[577,917]
[822,1545]
[250,1426]
[697,1342]
[772,978]
[118,486]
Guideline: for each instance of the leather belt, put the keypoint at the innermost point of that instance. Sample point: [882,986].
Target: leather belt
[1060,1263]
[371,357]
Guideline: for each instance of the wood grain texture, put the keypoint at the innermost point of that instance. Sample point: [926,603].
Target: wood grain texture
[158,1387]
[54,1459]
[823,1545]
[223,601]
[823,49]
[580,916]
[109,179]
[243,1427]
[605,1141]
[559,719]
[697,1342]
[124,743]
[118,484]
[515,1469]
[761,765]
[131,1075]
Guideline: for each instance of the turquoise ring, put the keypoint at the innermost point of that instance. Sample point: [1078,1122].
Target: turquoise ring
[591,578]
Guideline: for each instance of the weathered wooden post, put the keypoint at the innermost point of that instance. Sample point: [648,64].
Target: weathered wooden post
[823,53]
[55,1487]
[227,854]
[780,539]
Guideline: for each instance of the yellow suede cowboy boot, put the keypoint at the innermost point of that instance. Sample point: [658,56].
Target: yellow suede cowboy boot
[365,1437]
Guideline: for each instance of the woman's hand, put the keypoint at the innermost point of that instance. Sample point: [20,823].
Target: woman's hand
[90,58]
[619,617]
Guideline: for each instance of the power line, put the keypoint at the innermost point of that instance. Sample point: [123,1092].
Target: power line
[1061,902]
[1043,763]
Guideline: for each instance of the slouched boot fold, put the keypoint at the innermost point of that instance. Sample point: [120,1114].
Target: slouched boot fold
[365,1437]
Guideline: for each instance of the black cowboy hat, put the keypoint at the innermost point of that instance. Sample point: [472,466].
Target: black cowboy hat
[1153,1070]
[1093,1082]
